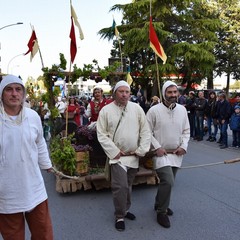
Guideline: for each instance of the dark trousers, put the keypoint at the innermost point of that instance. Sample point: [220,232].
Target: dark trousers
[199,126]
[191,117]
[121,185]
[167,176]
[223,130]
[236,138]
[12,226]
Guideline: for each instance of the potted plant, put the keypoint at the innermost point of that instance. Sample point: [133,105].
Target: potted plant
[82,158]
[63,154]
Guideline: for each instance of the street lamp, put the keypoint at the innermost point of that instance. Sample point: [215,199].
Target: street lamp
[22,54]
[9,25]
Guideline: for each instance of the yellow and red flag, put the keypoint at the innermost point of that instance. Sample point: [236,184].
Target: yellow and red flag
[155,44]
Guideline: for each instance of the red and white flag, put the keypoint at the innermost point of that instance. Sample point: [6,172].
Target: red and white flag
[155,44]
[73,43]
[33,46]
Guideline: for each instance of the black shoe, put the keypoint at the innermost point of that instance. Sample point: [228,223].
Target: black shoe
[163,220]
[120,225]
[209,139]
[223,147]
[213,139]
[169,211]
[130,216]
[199,139]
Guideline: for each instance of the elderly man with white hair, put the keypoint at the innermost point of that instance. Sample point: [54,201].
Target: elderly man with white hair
[124,134]
[170,129]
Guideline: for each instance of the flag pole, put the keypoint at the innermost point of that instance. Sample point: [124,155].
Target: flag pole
[69,75]
[156,62]
[40,53]
[158,79]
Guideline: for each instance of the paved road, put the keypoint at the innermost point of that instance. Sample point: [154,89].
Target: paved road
[205,201]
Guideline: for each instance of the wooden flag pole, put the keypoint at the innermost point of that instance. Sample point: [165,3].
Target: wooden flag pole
[158,79]
[69,76]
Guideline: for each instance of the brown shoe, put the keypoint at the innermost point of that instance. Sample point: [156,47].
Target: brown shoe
[163,220]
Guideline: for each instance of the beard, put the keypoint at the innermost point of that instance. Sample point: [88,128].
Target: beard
[171,99]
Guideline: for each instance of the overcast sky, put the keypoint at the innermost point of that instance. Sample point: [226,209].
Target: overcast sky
[51,20]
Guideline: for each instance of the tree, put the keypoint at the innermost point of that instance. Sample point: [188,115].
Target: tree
[185,29]
[228,48]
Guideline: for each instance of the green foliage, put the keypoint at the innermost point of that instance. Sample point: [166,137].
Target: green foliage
[63,154]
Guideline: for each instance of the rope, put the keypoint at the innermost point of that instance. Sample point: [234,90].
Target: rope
[62,175]
[212,164]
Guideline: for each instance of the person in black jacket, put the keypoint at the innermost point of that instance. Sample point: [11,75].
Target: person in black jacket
[210,112]
[190,106]
[223,114]
[200,106]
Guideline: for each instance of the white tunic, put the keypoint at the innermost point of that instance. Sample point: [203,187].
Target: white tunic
[23,151]
[132,135]
[170,130]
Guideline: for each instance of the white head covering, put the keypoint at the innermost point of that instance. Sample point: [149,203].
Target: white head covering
[9,79]
[165,86]
[121,84]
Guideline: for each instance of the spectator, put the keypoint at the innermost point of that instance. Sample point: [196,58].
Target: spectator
[211,113]
[190,106]
[154,100]
[235,126]
[200,106]
[223,115]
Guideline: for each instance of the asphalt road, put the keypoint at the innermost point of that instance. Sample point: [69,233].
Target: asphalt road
[205,201]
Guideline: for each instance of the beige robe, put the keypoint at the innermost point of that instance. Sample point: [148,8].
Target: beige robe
[170,130]
[132,134]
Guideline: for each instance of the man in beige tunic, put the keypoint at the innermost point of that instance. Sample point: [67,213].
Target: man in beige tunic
[124,134]
[170,129]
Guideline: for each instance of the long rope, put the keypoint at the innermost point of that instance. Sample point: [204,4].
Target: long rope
[212,164]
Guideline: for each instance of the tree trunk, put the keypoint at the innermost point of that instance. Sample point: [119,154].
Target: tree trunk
[210,81]
[228,84]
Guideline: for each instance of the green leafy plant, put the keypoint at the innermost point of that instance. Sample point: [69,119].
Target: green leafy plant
[63,154]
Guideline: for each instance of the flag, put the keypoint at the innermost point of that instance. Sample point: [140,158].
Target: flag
[129,79]
[73,43]
[75,18]
[114,28]
[33,46]
[155,44]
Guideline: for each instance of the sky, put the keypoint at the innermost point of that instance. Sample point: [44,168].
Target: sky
[52,22]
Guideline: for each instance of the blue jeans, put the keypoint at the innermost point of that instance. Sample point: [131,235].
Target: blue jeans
[209,124]
[223,130]
[199,126]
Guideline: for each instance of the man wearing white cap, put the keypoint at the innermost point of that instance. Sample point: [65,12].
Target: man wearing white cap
[23,153]
[124,134]
[170,129]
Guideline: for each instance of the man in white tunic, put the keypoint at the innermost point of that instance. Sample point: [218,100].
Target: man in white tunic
[23,151]
[124,134]
[170,129]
